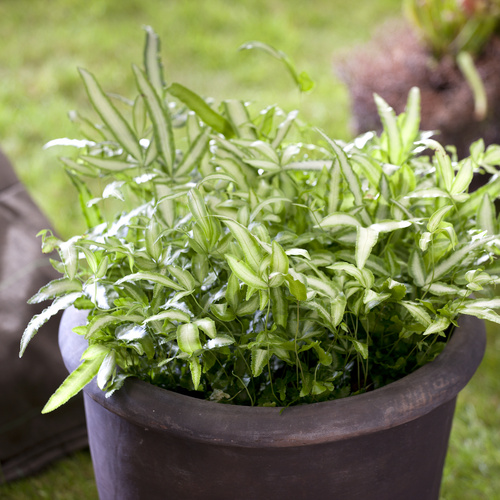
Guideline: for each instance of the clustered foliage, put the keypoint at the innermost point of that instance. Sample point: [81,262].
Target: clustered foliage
[246,266]
[453,26]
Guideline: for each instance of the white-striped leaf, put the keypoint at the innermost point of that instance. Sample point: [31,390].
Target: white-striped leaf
[248,243]
[454,259]
[69,256]
[438,288]
[463,178]
[339,219]
[279,259]
[245,273]
[389,226]
[108,366]
[269,201]
[279,306]
[440,325]
[79,378]
[184,277]
[418,312]
[365,241]
[481,313]
[118,126]
[188,338]
[411,122]
[337,309]
[152,60]
[55,288]
[363,276]
[350,177]
[389,121]
[153,277]
[40,319]
[237,113]
[486,216]
[160,118]
[416,268]
[194,154]
[436,218]
[171,315]
[283,128]
[108,164]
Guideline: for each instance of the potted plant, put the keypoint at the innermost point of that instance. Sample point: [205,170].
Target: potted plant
[447,48]
[265,316]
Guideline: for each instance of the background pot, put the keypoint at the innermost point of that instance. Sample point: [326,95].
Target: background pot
[147,442]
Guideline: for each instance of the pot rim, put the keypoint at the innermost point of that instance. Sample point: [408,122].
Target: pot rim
[411,397]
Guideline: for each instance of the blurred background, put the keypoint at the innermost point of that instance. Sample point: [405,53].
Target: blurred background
[43,43]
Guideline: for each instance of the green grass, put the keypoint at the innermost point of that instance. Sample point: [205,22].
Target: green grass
[43,43]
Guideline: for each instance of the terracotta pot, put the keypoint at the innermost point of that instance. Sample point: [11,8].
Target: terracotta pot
[149,443]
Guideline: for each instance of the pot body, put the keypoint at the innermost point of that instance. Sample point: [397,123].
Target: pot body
[150,443]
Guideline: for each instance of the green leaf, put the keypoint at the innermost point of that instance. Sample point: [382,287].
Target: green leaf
[188,338]
[296,287]
[466,64]
[361,348]
[245,273]
[195,103]
[195,368]
[40,319]
[207,326]
[160,118]
[79,378]
[117,125]
[90,212]
[260,357]
[302,79]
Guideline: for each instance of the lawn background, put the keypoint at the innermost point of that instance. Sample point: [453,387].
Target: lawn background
[42,44]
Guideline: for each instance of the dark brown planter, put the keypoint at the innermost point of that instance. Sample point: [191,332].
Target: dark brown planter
[149,443]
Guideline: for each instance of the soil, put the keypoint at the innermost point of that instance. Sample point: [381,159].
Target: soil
[395,60]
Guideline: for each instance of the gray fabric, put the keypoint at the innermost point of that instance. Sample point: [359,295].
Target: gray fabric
[28,439]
